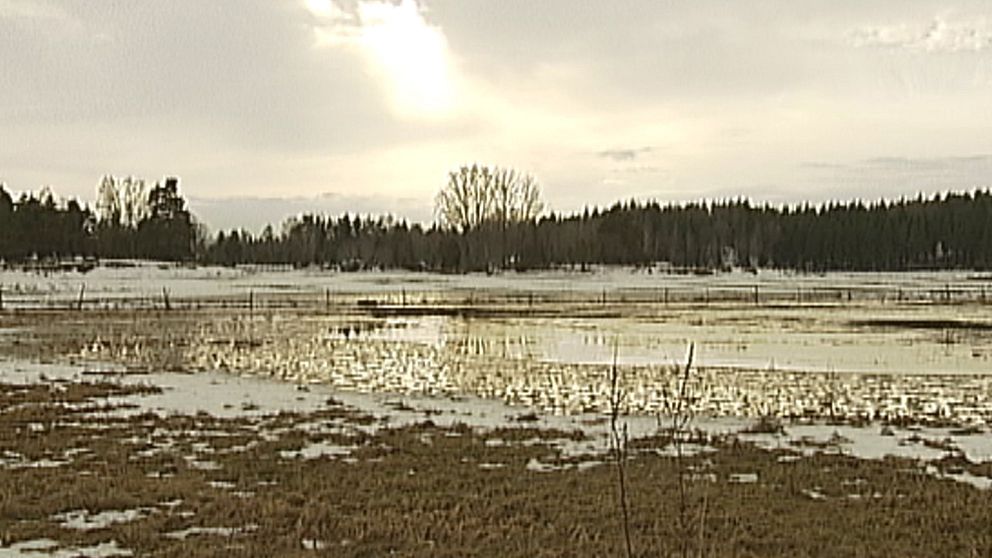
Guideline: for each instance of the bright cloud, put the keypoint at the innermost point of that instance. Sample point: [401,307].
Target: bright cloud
[27,9]
[938,35]
[408,54]
[326,9]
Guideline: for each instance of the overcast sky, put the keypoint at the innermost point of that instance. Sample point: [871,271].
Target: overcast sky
[365,106]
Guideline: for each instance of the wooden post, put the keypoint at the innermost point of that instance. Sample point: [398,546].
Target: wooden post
[1,298]
[82,292]
[251,318]
[165,298]
[755,295]
[666,296]
[327,298]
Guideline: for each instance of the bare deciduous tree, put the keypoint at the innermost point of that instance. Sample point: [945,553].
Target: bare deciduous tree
[527,204]
[121,201]
[108,205]
[478,195]
[484,204]
[465,203]
[133,201]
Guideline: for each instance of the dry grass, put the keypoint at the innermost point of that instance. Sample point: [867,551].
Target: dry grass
[424,490]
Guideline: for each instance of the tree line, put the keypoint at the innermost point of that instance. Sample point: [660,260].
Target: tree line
[130,220]
[492,218]
[952,231]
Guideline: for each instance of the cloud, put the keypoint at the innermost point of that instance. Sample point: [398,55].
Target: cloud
[621,155]
[895,176]
[407,53]
[891,163]
[822,165]
[327,10]
[25,9]
[930,164]
[641,169]
[936,36]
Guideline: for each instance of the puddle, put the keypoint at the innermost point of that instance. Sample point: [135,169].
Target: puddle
[84,520]
[538,466]
[862,442]
[12,460]
[313,544]
[220,394]
[688,449]
[209,531]
[203,465]
[743,478]
[978,481]
[318,449]
[814,494]
[47,548]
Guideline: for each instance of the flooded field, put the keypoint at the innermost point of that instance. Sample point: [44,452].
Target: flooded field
[142,407]
[865,346]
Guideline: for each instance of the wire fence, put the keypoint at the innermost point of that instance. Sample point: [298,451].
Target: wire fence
[758,295]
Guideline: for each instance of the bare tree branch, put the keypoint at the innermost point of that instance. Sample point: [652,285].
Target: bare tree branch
[479,195]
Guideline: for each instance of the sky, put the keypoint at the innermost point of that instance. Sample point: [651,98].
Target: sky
[267,108]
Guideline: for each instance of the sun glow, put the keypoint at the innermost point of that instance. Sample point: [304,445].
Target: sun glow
[409,55]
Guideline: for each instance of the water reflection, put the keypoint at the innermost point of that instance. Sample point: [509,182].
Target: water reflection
[792,340]
[561,341]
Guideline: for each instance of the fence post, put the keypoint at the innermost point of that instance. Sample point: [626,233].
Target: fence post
[82,293]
